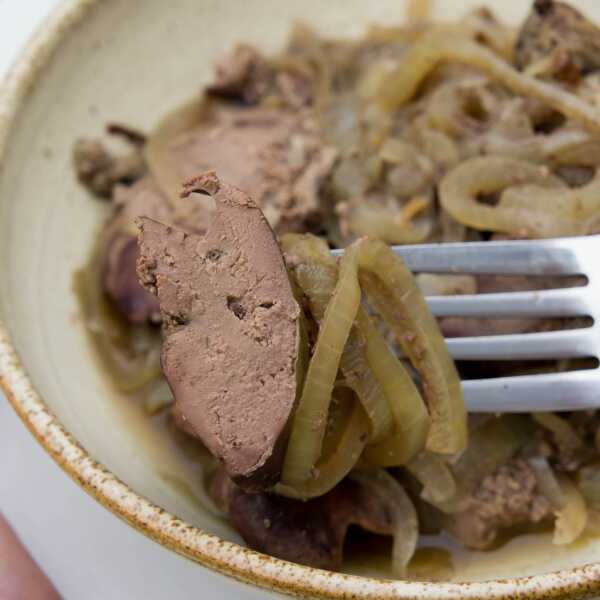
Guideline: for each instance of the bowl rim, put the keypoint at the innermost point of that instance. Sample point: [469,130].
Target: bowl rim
[200,546]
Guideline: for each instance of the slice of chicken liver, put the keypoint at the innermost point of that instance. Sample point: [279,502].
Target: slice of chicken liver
[276,156]
[230,330]
[559,31]
[120,251]
[310,533]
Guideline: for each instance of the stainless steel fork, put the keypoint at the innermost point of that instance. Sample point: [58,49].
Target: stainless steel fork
[573,390]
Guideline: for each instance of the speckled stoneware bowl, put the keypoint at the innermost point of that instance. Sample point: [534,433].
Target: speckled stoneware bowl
[130,61]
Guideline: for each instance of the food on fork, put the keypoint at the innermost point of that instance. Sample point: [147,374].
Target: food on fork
[231,331]
[323,387]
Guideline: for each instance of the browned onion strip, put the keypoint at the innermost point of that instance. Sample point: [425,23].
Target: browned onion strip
[557,212]
[310,419]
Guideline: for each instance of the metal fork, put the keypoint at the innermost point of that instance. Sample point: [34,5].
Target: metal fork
[574,390]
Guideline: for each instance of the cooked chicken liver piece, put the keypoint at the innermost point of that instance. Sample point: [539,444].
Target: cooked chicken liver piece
[277,157]
[243,74]
[100,171]
[120,251]
[310,533]
[559,32]
[230,330]
[505,499]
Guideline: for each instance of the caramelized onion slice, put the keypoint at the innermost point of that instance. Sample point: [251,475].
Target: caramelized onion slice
[588,481]
[543,208]
[563,431]
[445,44]
[342,446]
[157,150]
[130,353]
[368,364]
[310,418]
[316,275]
[404,515]
[566,500]
[434,474]
[491,445]
[411,420]
[389,224]
[392,291]
[571,520]
[556,212]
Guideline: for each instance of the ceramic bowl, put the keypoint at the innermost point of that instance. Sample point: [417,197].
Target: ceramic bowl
[130,61]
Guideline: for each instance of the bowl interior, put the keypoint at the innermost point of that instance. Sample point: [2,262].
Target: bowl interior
[130,61]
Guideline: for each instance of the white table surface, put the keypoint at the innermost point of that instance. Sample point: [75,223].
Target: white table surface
[87,552]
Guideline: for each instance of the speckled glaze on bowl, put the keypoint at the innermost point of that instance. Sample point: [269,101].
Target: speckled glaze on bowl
[129,61]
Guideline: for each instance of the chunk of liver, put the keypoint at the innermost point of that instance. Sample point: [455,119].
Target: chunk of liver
[231,330]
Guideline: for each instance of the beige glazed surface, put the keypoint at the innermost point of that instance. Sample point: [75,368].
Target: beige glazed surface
[130,61]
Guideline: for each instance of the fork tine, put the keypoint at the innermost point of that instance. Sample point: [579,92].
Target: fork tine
[575,390]
[540,257]
[567,302]
[572,343]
